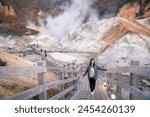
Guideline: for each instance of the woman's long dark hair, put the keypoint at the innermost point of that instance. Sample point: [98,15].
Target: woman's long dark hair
[91,62]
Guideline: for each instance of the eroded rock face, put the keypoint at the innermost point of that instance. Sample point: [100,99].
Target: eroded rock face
[7,14]
[144,10]
[139,9]
[129,11]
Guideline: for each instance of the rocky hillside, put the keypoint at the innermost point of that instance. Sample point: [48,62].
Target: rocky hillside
[95,36]
[15,14]
[102,37]
[114,31]
[104,33]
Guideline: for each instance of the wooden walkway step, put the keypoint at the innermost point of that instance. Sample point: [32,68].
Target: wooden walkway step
[84,92]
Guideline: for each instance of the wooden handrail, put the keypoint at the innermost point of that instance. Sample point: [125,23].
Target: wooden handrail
[133,90]
[38,89]
[66,69]
[40,70]
[134,72]
[62,70]
[62,93]
[143,71]
[10,72]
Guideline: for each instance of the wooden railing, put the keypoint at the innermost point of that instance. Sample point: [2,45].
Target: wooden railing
[69,76]
[128,79]
[41,89]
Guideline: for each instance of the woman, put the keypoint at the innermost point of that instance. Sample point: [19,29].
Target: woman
[92,71]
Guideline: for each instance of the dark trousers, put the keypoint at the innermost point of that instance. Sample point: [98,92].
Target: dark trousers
[92,82]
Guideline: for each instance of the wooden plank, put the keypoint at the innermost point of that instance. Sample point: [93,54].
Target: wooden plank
[118,90]
[72,83]
[102,95]
[79,77]
[62,69]
[103,90]
[42,80]
[134,81]
[143,71]
[37,90]
[136,92]
[63,93]
[97,95]
[62,86]
[119,97]
[12,72]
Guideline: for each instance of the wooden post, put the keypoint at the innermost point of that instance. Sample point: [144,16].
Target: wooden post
[108,83]
[79,77]
[113,96]
[134,79]
[66,74]
[73,74]
[118,90]
[68,65]
[62,86]
[76,81]
[109,75]
[41,80]
[72,83]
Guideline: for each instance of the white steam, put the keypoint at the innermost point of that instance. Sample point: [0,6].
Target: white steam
[72,17]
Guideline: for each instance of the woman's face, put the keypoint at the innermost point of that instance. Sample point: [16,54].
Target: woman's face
[93,61]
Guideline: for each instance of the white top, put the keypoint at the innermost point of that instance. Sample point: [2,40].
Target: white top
[92,72]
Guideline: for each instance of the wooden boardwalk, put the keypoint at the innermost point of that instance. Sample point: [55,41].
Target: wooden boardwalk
[72,86]
[84,92]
